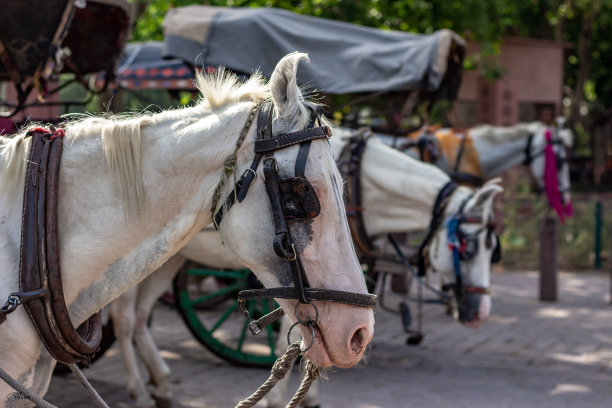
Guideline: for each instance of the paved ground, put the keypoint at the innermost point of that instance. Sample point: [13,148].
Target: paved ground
[530,354]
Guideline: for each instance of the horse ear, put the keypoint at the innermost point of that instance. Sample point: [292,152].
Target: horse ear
[482,201]
[283,84]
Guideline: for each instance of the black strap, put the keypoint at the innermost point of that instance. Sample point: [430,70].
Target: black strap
[461,177]
[325,295]
[437,215]
[290,139]
[460,153]
[528,156]
[302,158]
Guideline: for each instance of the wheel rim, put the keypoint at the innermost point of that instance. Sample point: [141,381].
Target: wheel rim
[222,328]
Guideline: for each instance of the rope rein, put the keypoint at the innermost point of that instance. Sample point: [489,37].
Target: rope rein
[279,370]
[23,391]
[93,394]
[229,164]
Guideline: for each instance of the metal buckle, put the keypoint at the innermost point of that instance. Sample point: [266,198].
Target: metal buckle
[294,256]
[273,160]
[248,170]
[254,327]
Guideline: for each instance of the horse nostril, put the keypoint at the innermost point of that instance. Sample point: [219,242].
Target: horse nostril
[357,341]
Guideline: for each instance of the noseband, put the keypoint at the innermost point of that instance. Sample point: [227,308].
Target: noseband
[291,200]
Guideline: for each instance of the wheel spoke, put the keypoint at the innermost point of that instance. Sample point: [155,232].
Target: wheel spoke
[239,274]
[224,317]
[222,291]
[269,331]
[245,325]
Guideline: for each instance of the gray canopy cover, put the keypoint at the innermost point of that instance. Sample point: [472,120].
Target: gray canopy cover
[345,58]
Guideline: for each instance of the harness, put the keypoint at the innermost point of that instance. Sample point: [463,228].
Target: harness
[350,167]
[463,177]
[428,153]
[529,157]
[40,279]
[291,200]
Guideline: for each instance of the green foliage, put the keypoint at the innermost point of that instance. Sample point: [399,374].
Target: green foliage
[575,240]
[485,22]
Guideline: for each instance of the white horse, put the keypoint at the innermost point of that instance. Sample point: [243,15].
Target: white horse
[485,151]
[133,191]
[398,196]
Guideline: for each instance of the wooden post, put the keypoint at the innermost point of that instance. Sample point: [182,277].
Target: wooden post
[548,259]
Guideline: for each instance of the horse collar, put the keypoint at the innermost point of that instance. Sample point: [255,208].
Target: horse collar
[40,280]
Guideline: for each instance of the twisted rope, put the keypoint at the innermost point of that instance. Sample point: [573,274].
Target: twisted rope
[313,372]
[93,394]
[278,372]
[229,163]
[23,391]
[41,403]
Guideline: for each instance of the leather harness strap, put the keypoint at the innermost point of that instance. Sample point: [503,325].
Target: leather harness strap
[437,215]
[354,209]
[39,264]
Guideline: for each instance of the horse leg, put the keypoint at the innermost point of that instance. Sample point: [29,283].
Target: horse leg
[148,293]
[123,315]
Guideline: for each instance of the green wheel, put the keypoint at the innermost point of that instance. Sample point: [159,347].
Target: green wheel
[223,329]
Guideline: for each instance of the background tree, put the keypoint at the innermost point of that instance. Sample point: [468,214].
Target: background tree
[583,24]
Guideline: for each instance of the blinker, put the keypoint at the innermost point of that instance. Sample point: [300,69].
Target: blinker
[299,199]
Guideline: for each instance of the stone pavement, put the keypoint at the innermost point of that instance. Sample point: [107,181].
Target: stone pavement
[530,354]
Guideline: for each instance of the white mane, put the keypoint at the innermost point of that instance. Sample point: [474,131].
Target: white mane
[121,135]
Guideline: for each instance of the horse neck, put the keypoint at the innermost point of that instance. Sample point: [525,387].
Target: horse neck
[500,148]
[106,247]
[398,192]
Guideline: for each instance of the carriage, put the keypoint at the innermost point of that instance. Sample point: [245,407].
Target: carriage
[41,40]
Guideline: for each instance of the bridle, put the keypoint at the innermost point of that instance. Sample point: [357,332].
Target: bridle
[291,200]
[464,246]
[561,160]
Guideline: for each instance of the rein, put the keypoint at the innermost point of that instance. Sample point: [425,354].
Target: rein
[279,192]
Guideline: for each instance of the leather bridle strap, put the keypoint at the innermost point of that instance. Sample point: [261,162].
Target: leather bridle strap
[437,216]
[325,295]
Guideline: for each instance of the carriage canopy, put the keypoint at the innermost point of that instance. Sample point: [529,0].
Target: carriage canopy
[349,58]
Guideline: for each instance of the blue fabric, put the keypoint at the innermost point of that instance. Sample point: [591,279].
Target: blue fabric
[454,244]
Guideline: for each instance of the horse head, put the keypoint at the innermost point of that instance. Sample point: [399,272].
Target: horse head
[546,157]
[463,250]
[313,212]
